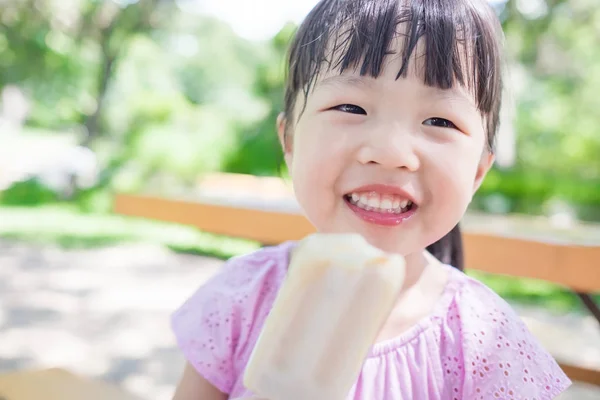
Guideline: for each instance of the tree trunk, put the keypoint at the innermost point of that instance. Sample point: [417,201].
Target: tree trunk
[93,122]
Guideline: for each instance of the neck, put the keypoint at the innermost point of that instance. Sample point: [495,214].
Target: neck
[416,265]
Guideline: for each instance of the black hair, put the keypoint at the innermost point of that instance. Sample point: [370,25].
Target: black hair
[462,46]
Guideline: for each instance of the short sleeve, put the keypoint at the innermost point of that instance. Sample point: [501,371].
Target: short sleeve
[502,359]
[216,324]
[206,332]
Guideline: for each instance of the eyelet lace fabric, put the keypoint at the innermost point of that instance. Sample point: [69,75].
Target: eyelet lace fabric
[473,346]
[216,328]
[499,358]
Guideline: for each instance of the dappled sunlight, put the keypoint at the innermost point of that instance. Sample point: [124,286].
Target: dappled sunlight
[103,313]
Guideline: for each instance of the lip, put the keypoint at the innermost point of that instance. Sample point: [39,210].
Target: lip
[379,218]
[385,189]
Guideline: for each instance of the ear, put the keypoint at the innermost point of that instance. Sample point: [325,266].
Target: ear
[486,162]
[285,139]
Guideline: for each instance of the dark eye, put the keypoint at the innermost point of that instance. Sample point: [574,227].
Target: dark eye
[350,108]
[440,122]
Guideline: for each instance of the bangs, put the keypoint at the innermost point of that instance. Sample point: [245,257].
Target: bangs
[460,46]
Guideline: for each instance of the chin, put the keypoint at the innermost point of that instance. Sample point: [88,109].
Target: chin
[391,244]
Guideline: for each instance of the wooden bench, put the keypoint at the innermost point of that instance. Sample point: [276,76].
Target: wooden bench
[57,384]
[264,210]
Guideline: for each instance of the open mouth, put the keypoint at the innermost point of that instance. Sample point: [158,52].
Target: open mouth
[380,209]
[380,203]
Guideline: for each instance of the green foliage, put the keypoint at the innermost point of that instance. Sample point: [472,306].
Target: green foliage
[65,226]
[258,150]
[528,191]
[557,115]
[194,142]
[38,53]
[30,192]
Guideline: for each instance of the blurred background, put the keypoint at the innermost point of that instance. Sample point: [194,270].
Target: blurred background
[101,97]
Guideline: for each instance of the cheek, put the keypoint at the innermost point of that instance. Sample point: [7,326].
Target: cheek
[455,177]
[319,153]
[320,156]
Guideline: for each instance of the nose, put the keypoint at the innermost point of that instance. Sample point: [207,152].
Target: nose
[392,147]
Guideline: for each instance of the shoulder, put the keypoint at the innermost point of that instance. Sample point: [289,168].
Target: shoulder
[500,355]
[241,283]
[474,306]
[261,270]
[487,321]
[478,303]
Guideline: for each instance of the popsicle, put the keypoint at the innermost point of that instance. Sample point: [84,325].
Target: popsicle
[337,294]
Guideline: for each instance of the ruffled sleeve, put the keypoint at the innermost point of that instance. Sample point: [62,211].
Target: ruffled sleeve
[501,358]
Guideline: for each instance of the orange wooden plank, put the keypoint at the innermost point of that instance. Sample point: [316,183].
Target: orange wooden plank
[268,227]
[576,267]
[581,374]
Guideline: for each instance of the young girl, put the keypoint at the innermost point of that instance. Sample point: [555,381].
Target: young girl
[391,109]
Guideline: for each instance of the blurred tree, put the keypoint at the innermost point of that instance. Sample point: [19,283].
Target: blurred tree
[179,103]
[38,53]
[554,57]
[65,53]
[112,25]
[259,151]
[556,43]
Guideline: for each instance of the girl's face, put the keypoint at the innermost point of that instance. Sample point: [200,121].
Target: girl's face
[365,149]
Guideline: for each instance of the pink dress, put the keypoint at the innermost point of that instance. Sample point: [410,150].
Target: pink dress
[473,346]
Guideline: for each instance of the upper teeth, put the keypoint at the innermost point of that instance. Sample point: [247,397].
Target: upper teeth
[380,202]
